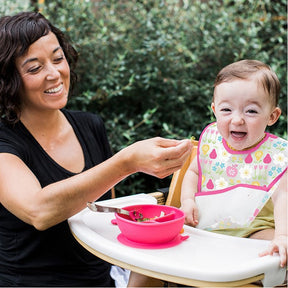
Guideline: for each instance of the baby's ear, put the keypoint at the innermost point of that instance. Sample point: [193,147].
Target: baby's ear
[274,116]
[213,107]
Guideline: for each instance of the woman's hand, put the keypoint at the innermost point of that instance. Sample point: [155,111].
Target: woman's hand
[157,156]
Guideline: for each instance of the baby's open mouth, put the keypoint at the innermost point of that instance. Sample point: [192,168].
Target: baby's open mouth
[238,134]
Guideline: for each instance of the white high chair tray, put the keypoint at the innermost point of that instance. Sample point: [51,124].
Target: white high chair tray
[204,256]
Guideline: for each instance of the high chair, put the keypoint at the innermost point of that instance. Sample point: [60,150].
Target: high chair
[173,199]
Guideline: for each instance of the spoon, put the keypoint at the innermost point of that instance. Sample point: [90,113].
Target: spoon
[134,215]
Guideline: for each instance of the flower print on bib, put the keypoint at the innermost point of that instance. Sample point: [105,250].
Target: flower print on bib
[234,186]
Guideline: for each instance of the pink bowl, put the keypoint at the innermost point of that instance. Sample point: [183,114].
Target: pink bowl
[151,232]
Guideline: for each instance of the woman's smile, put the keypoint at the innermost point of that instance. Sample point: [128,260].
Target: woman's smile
[57,89]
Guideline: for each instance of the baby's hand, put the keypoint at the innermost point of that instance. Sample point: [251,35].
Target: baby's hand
[190,210]
[278,244]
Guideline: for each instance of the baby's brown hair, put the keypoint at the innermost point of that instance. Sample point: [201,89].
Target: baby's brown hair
[247,69]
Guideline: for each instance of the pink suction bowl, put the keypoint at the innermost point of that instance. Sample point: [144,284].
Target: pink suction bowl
[152,232]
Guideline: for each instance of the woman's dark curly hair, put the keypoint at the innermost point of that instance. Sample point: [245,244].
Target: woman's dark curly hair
[17,33]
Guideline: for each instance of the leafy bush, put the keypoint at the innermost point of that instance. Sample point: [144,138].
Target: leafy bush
[148,66]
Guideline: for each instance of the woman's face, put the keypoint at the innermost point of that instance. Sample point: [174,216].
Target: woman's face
[45,75]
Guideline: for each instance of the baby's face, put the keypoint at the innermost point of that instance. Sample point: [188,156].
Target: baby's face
[243,111]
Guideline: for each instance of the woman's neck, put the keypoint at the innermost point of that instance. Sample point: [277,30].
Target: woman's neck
[43,124]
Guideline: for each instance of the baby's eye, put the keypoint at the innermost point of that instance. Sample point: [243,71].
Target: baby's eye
[252,111]
[225,110]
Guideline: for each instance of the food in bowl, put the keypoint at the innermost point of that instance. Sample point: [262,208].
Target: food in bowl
[156,218]
[151,232]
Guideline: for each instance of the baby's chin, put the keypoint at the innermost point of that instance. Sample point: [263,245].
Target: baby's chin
[241,146]
[238,141]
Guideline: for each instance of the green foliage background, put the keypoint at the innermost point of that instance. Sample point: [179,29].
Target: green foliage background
[148,67]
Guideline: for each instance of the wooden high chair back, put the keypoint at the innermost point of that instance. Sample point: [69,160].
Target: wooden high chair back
[173,198]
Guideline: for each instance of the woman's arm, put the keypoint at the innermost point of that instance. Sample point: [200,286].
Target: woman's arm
[22,195]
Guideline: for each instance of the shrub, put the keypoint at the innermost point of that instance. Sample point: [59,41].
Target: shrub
[148,66]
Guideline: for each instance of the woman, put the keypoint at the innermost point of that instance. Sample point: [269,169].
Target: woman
[53,161]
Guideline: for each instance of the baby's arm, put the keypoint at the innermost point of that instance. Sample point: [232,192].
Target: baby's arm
[188,190]
[279,243]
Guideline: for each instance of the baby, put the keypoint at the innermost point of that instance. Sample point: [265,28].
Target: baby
[237,184]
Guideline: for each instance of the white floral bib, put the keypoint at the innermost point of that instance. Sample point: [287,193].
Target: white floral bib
[235,185]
